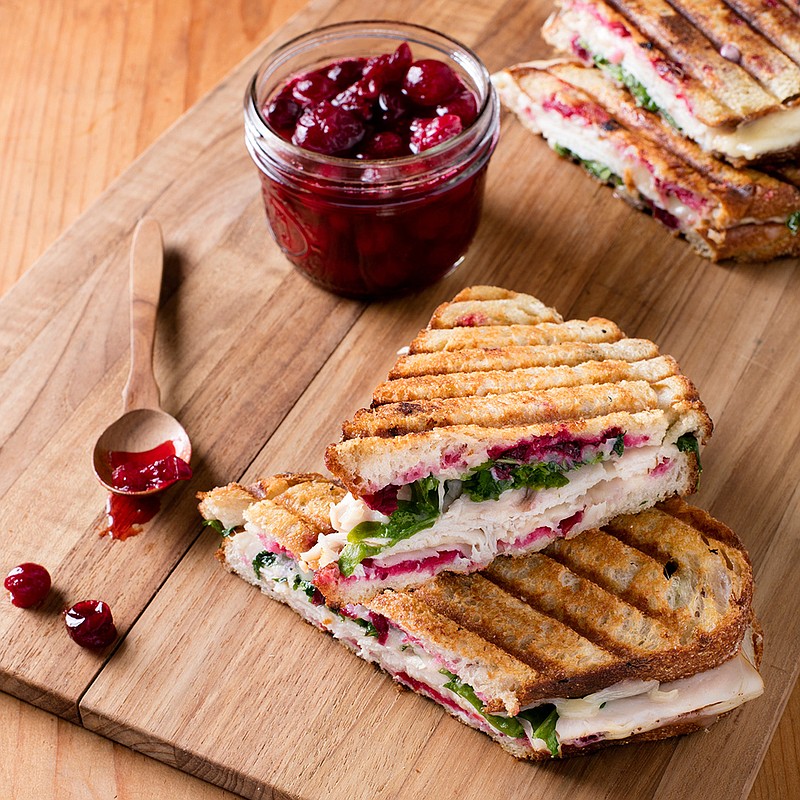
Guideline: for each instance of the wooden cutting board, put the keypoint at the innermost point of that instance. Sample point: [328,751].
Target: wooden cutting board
[261,367]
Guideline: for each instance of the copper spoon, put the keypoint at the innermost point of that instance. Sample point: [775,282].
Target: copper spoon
[143,425]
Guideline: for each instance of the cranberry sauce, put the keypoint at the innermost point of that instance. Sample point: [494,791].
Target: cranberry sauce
[373,108]
[372,168]
[28,584]
[148,471]
[562,446]
[90,624]
[125,514]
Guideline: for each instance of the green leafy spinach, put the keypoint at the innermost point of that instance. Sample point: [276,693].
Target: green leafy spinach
[410,517]
[595,168]
[542,718]
[624,77]
[483,484]
[219,528]
[263,559]
[308,587]
[688,444]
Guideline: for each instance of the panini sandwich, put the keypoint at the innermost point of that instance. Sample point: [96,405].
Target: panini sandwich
[502,429]
[724,211]
[726,74]
[640,630]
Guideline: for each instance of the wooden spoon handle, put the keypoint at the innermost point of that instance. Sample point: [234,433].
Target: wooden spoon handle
[147,266]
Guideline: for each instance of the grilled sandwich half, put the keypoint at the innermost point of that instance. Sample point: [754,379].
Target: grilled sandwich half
[725,73]
[642,629]
[724,211]
[503,428]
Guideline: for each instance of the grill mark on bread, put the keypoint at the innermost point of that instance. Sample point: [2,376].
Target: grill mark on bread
[491,336]
[504,410]
[603,618]
[766,64]
[675,395]
[494,382]
[675,35]
[621,570]
[479,359]
[311,502]
[777,22]
[533,638]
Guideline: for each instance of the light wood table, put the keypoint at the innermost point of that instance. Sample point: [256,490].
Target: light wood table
[88,85]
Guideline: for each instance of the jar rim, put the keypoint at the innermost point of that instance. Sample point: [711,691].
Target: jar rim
[463,55]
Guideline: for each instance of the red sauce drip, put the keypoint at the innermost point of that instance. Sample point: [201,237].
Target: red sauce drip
[149,470]
[125,514]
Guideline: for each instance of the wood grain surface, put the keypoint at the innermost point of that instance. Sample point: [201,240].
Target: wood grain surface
[117,75]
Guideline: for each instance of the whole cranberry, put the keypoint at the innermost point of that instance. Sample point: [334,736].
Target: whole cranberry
[328,129]
[384,145]
[388,68]
[343,73]
[462,104]
[282,112]
[427,133]
[430,82]
[90,624]
[393,106]
[28,584]
[313,88]
[355,100]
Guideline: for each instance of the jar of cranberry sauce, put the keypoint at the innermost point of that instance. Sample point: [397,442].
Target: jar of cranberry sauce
[397,211]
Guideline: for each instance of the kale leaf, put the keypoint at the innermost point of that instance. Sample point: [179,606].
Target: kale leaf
[793,222]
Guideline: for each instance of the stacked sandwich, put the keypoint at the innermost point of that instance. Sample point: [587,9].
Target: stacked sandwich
[689,109]
[505,535]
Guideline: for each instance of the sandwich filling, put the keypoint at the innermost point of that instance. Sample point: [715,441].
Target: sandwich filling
[598,36]
[545,727]
[565,485]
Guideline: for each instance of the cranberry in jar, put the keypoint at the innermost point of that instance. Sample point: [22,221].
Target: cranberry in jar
[372,141]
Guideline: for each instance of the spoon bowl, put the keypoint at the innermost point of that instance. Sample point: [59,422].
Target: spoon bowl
[145,441]
[139,431]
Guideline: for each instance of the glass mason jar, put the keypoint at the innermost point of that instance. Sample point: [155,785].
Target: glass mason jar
[372,228]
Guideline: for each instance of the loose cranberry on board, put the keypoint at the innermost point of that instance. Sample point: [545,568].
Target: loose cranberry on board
[90,624]
[28,584]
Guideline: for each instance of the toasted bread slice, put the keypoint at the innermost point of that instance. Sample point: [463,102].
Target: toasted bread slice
[722,79]
[725,212]
[656,597]
[449,469]
[427,410]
